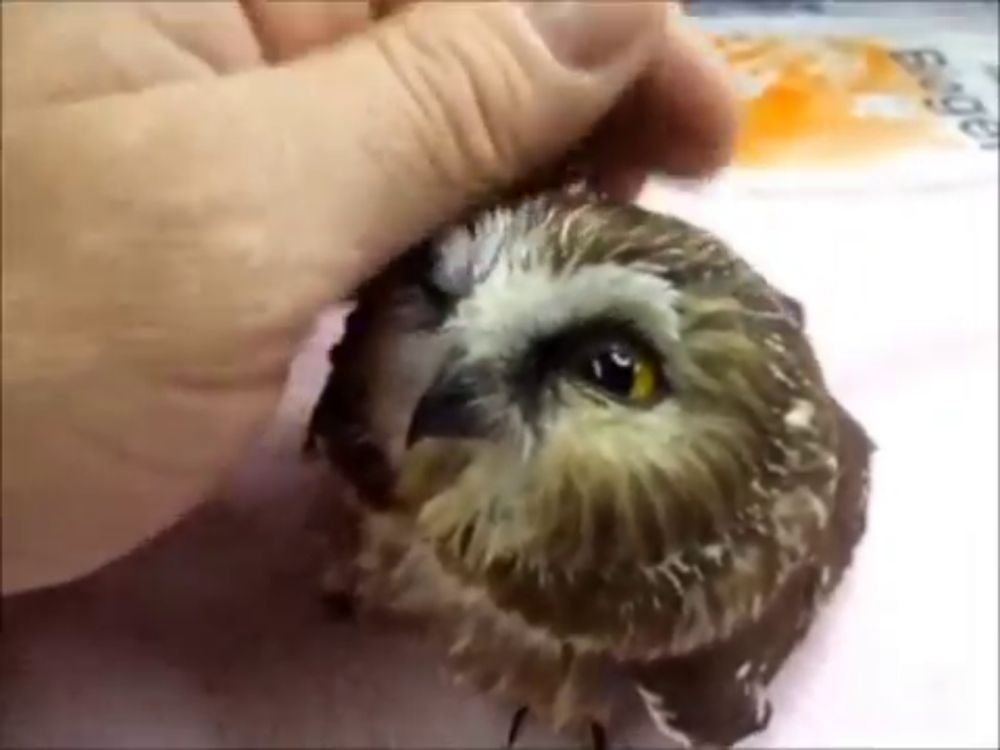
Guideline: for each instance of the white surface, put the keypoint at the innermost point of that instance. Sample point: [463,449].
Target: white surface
[901,295]
[215,636]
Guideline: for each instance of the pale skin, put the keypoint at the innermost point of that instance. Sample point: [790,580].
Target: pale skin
[186,185]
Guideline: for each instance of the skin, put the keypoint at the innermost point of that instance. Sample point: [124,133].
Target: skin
[186,185]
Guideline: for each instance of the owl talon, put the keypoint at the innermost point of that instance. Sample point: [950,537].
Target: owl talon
[598,737]
[340,605]
[515,725]
[338,587]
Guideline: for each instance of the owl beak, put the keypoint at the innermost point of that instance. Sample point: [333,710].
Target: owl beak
[449,409]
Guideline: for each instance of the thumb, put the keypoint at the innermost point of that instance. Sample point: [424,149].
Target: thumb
[396,130]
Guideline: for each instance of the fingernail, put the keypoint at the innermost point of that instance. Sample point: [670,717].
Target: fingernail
[589,34]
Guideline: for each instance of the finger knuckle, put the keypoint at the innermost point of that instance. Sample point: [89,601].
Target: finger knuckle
[465,97]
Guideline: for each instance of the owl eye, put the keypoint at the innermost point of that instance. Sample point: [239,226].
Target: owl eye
[622,371]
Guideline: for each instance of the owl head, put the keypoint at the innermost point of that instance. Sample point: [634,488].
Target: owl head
[599,414]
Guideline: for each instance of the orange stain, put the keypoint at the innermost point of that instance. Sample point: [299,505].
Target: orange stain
[825,101]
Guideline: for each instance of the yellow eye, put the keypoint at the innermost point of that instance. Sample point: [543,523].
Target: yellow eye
[624,372]
[643,381]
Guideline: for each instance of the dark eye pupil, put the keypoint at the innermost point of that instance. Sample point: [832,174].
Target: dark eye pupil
[613,370]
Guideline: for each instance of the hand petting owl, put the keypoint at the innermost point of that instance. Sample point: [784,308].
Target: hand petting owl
[254,152]
[590,441]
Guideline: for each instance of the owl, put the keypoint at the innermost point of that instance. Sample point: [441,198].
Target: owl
[591,445]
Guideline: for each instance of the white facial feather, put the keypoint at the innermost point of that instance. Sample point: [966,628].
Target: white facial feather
[515,297]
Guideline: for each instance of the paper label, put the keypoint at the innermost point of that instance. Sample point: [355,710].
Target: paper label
[840,101]
[832,99]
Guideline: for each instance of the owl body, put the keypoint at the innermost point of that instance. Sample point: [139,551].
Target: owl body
[590,443]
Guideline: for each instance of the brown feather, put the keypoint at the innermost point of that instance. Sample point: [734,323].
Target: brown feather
[687,545]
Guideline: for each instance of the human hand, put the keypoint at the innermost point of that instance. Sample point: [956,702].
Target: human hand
[187,185]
